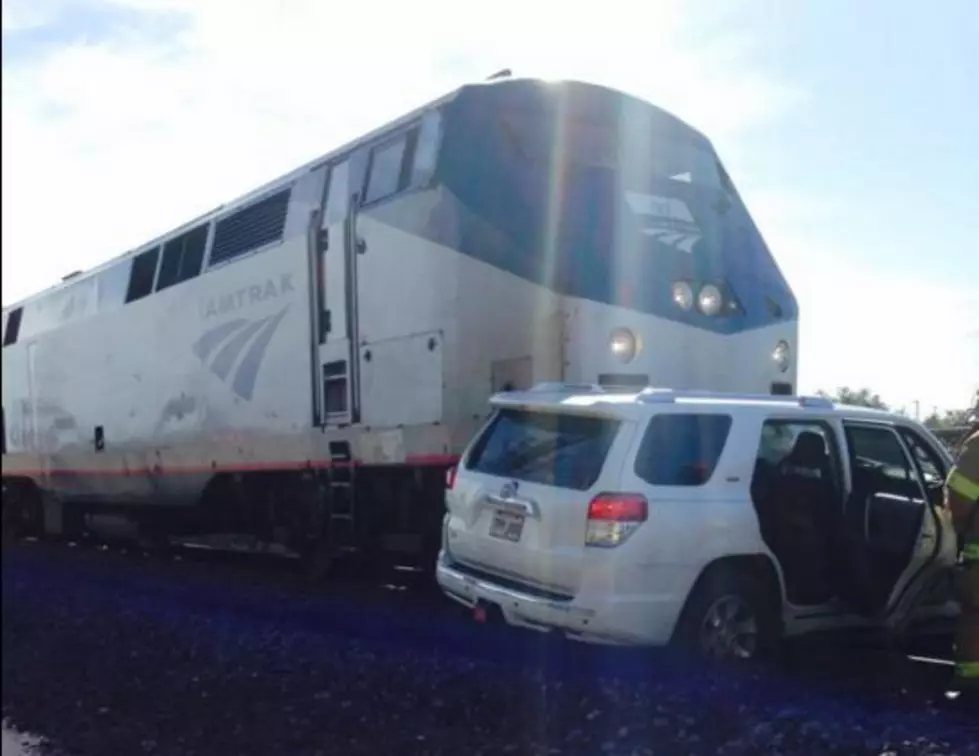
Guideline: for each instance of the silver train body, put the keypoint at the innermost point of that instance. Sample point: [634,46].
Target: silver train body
[509,233]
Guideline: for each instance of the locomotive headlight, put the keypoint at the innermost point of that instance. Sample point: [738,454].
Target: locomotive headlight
[710,300]
[682,295]
[781,354]
[623,345]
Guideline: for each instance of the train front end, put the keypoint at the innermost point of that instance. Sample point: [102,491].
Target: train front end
[628,215]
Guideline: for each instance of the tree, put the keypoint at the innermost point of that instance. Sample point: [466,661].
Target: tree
[948,419]
[857,397]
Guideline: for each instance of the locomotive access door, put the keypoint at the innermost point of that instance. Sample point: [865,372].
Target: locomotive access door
[334,261]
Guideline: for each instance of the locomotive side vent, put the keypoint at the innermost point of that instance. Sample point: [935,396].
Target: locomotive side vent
[260,223]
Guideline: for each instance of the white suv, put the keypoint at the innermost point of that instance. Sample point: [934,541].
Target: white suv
[715,521]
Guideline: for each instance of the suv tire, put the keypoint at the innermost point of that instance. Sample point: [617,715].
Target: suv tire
[730,616]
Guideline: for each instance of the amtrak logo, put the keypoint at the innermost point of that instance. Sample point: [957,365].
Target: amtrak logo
[247,296]
[237,337]
[666,219]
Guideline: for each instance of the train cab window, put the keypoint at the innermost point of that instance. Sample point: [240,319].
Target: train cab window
[725,179]
[142,275]
[182,257]
[426,149]
[112,284]
[385,171]
[338,194]
[13,326]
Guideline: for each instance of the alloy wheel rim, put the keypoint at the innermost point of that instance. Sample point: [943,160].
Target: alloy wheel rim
[729,629]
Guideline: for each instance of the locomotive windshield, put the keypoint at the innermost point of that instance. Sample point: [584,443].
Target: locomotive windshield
[602,196]
[616,145]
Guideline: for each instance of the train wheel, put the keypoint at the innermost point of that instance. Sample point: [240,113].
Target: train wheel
[22,512]
[318,560]
[152,542]
[12,526]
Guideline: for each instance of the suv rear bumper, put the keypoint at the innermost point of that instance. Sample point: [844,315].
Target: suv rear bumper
[596,617]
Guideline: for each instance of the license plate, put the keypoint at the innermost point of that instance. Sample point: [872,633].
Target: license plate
[507,526]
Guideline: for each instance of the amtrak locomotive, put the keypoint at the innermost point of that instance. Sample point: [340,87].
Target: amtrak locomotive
[303,365]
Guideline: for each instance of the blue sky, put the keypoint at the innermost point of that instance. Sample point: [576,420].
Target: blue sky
[848,127]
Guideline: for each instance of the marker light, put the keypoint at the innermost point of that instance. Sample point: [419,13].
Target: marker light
[710,300]
[682,295]
[623,344]
[781,354]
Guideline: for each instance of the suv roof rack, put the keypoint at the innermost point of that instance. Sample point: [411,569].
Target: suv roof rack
[654,395]
[559,387]
[668,396]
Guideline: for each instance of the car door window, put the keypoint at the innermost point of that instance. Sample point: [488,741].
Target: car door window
[933,468]
[802,449]
[779,438]
[880,464]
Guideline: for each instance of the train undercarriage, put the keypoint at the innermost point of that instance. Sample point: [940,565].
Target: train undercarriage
[333,518]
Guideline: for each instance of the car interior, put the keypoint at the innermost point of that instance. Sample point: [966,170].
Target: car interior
[829,545]
[798,495]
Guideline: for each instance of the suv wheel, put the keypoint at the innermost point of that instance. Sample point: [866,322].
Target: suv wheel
[730,618]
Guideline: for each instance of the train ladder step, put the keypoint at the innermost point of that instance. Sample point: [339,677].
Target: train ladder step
[343,502]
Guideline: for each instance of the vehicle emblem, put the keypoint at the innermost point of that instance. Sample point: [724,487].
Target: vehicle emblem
[509,490]
[233,337]
[666,219]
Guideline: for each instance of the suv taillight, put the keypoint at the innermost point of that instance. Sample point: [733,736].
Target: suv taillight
[613,517]
[450,477]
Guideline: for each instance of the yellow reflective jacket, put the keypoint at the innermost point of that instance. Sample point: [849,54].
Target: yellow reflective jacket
[962,495]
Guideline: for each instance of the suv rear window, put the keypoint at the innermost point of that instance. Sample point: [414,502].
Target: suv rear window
[567,451]
[682,449]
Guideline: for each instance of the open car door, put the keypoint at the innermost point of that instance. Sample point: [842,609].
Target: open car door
[899,540]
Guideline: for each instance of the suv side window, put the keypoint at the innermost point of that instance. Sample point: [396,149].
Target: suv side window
[879,462]
[933,468]
[805,448]
[681,449]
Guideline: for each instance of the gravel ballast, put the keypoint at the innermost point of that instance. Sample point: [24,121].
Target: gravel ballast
[104,659]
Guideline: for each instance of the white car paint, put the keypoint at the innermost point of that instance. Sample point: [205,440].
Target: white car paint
[635,592]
